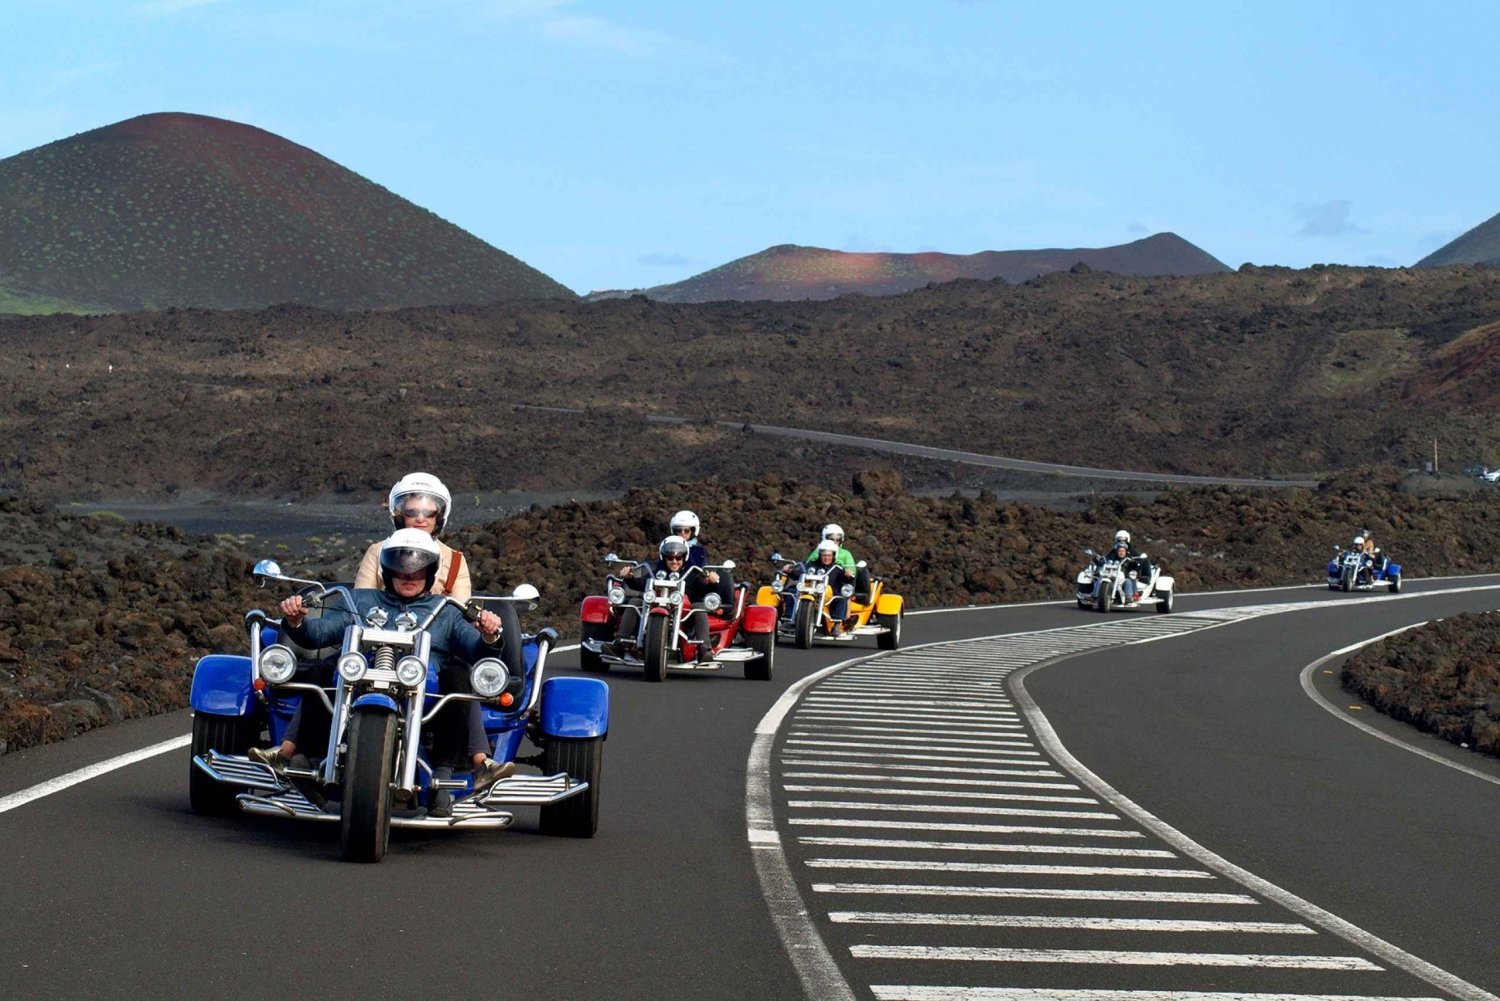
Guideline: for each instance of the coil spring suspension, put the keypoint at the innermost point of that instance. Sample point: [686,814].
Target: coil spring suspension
[385,659]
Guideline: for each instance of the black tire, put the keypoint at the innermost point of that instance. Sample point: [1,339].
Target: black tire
[1106,595]
[587,659]
[582,758]
[1395,583]
[227,735]
[1164,604]
[510,638]
[802,632]
[892,639]
[1346,581]
[365,815]
[656,648]
[764,645]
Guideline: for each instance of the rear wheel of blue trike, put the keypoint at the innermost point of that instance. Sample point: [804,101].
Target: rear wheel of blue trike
[583,759]
[227,735]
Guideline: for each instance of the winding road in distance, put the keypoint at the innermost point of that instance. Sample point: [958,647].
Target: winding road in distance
[1024,802]
[969,458]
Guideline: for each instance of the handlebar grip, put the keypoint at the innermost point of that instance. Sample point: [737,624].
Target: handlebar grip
[471,611]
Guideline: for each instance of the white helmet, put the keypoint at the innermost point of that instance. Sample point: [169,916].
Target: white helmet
[1122,536]
[672,546]
[425,485]
[828,546]
[685,519]
[409,550]
[1359,540]
[834,532]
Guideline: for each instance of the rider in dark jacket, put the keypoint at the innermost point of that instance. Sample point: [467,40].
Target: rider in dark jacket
[408,564]
[673,555]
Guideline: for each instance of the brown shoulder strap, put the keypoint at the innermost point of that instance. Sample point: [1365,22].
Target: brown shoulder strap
[453,568]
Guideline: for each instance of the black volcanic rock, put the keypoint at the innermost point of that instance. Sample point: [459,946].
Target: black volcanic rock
[1480,245]
[787,272]
[186,210]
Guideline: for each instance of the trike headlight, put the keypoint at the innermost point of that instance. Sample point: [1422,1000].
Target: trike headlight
[277,664]
[712,601]
[489,677]
[410,671]
[847,590]
[352,666]
[676,598]
[616,595]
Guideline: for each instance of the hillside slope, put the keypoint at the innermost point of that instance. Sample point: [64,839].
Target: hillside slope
[187,210]
[1260,372]
[1480,245]
[788,272]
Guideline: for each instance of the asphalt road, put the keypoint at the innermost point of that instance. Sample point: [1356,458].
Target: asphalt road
[113,888]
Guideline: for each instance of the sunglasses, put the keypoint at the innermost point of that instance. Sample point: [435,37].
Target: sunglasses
[684,531]
[425,513]
[674,559]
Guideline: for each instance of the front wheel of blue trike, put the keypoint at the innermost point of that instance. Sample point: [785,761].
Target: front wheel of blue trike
[583,759]
[365,814]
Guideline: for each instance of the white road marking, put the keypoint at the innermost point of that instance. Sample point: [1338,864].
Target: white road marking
[1110,957]
[905,918]
[942,748]
[928,778]
[1004,868]
[909,992]
[909,825]
[926,739]
[820,975]
[941,794]
[811,762]
[984,846]
[71,779]
[884,756]
[1034,893]
[1307,686]
[993,811]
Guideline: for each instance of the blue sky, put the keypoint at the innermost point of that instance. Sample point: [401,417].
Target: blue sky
[617,145]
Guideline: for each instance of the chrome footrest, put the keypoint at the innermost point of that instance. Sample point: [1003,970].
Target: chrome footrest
[236,769]
[527,790]
[287,803]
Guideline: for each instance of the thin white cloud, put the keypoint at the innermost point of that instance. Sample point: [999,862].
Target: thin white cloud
[166,8]
[1326,219]
[561,21]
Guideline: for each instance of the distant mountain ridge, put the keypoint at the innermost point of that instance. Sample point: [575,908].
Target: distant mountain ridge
[187,210]
[1480,245]
[788,272]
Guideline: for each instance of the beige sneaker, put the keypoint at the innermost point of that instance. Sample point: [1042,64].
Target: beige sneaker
[490,772]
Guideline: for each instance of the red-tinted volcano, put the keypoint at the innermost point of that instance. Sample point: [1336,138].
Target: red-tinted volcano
[187,210]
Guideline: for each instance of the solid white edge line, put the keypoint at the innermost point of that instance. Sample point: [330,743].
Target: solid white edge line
[1307,686]
[1048,739]
[71,779]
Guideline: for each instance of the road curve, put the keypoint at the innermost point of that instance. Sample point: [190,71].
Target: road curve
[114,888]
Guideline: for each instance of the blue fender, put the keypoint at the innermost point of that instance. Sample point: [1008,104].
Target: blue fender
[1392,570]
[222,685]
[374,700]
[575,707]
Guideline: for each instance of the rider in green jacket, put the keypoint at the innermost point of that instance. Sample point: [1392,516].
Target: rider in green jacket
[845,558]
